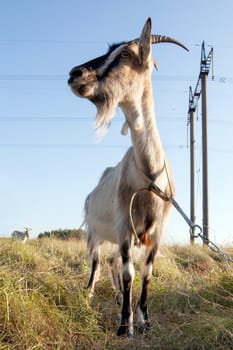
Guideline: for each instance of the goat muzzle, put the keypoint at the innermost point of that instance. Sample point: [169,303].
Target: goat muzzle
[75,73]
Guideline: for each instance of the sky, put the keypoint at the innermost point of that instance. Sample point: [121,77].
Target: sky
[50,157]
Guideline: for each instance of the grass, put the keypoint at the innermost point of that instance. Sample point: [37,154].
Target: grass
[44,304]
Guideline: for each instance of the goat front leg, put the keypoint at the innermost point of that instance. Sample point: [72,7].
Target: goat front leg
[142,308]
[126,325]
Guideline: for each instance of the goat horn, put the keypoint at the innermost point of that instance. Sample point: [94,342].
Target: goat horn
[156,39]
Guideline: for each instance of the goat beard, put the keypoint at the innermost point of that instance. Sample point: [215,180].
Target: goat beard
[106,106]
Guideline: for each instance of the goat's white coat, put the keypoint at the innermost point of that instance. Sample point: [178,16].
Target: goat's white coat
[128,85]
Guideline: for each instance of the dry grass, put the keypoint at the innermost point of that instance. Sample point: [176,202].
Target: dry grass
[44,305]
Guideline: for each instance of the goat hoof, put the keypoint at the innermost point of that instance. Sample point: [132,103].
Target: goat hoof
[124,331]
[144,327]
[118,298]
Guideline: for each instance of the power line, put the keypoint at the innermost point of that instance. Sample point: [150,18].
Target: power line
[225,151]
[88,42]
[74,145]
[57,145]
[95,146]
[51,41]
[33,77]
[77,119]
[62,77]
[222,122]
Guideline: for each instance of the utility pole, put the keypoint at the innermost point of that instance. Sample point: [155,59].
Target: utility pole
[192,162]
[205,67]
[201,89]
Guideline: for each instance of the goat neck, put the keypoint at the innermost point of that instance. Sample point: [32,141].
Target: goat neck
[147,146]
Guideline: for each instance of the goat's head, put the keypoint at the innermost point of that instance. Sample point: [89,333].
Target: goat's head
[118,76]
[27,230]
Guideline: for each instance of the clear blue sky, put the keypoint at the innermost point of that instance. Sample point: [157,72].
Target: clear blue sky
[50,160]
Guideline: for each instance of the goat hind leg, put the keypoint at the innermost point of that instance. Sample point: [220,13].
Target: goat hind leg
[95,268]
[115,263]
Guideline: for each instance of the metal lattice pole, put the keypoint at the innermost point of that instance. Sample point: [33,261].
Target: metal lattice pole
[205,192]
[192,163]
[201,89]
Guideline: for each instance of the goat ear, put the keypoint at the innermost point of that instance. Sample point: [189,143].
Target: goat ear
[145,42]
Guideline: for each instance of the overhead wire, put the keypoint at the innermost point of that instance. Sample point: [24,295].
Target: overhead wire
[63,77]
[76,119]
[90,42]
[105,146]
[75,145]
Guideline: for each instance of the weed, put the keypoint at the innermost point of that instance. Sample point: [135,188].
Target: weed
[44,305]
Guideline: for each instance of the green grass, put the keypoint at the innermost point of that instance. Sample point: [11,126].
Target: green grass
[44,304]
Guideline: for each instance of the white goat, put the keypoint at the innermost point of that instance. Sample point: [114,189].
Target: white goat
[122,77]
[23,236]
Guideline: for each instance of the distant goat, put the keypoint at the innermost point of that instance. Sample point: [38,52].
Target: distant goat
[23,236]
[122,77]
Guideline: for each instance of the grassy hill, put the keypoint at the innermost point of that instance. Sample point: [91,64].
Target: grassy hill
[44,305]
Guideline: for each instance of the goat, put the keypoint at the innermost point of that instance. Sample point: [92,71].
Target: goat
[122,77]
[23,236]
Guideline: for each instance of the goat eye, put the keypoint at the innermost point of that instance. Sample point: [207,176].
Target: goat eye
[124,54]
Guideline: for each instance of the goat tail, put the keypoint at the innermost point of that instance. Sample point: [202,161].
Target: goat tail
[82,224]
